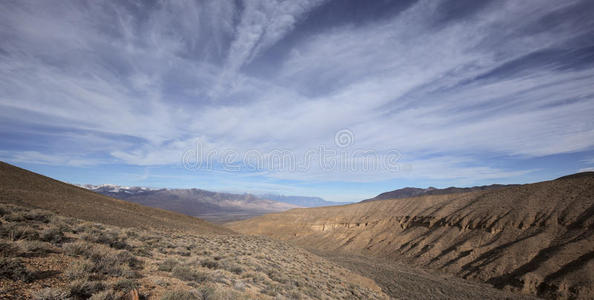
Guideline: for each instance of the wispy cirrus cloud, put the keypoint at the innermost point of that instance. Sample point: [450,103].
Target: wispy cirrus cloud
[141,82]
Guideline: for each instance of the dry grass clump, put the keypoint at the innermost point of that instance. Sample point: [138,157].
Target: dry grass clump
[28,215]
[125,285]
[211,264]
[82,260]
[83,289]
[104,261]
[28,248]
[180,295]
[78,248]
[53,234]
[110,238]
[8,249]
[49,294]
[13,232]
[168,264]
[79,269]
[14,269]
[188,274]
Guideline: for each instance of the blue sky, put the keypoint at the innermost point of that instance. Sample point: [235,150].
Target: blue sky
[187,93]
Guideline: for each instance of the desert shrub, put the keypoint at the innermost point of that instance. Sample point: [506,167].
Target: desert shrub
[82,228]
[49,294]
[63,223]
[66,221]
[14,269]
[104,295]
[168,265]
[34,248]
[272,290]
[207,293]
[125,285]
[112,239]
[188,274]
[179,295]
[82,289]
[15,217]
[78,270]
[312,292]
[295,294]
[256,277]
[277,276]
[211,264]
[78,248]
[148,238]
[31,215]
[220,277]
[8,249]
[18,232]
[131,233]
[239,285]
[39,215]
[121,263]
[53,234]
[126,258]
[106,261]
[183,252]
[233,268]
[143,251]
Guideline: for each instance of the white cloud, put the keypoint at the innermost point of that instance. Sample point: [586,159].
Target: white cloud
[147,76]
[262,24]
[48,159]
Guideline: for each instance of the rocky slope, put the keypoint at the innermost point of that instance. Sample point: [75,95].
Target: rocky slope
[211,206]
[536,238]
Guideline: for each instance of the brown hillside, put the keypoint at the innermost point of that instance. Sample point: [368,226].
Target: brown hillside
[46,256]
[25,188]
[535,238]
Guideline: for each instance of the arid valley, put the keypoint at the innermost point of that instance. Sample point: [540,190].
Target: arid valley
[296,149]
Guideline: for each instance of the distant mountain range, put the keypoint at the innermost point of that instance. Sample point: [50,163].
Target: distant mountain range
[302,201]
[212,206]
[409,192]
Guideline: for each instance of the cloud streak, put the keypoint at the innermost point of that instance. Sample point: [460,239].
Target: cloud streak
[140,83]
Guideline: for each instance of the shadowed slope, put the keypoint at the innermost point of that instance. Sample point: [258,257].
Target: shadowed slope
[25,188]
[534,238]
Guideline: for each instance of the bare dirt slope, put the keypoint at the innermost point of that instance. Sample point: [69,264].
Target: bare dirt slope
[536,238]
[25,188]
